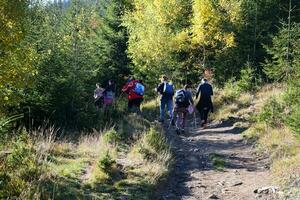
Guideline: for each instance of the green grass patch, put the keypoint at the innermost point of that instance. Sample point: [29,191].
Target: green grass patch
[218,161]
[67,167]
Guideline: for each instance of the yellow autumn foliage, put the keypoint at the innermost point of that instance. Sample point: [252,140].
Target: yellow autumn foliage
[210,19]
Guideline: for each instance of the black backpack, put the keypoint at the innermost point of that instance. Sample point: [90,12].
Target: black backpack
[181,98]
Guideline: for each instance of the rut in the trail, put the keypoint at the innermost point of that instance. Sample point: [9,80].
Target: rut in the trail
[195,175]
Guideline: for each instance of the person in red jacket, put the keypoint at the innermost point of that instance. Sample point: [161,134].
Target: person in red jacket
[135,96]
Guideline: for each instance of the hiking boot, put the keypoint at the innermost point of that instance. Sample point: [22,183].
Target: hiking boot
[202,124]
[182,131]
[177,131]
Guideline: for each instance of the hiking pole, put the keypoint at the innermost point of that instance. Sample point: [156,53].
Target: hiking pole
[195,119]
[172,118]
[157,106]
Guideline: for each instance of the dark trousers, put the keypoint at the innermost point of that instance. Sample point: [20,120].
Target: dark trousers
[204,114]
[134,105]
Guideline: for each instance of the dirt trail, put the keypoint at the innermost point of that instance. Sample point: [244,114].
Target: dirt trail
[196,177]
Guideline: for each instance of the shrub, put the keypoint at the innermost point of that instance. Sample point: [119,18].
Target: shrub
[106,163]
[217,161]
[287,171]
[5,126]
[112,137]
[246,81]
[153,144]
[293,120]
[156,140]
[19,168]
[256,131]
[272,112]
[231,91]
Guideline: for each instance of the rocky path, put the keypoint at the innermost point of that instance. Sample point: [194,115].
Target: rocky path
[215,163]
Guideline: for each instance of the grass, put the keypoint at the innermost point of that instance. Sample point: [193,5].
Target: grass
[261,113]
[252,134]
[151,109]
[274,139]
[152,156]
[229,103]
[283,149]
[98,169]
[125,161]
[217,161]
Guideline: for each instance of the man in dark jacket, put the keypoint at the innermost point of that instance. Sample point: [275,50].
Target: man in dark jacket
[205,104]
[166,90]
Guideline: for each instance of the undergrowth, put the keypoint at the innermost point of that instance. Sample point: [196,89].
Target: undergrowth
[124,161]
[270,125]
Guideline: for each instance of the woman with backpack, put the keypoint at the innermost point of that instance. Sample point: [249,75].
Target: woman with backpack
[109,94]
[183,99]
[135,90]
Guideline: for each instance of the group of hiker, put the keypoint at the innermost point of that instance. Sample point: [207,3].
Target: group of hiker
[182,105]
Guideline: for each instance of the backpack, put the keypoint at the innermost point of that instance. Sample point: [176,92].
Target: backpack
[168,88]
[181,99]
[139,89]
[180,96]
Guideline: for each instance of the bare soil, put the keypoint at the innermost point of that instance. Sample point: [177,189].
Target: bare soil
[195,176]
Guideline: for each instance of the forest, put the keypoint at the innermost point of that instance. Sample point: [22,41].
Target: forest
[52,53]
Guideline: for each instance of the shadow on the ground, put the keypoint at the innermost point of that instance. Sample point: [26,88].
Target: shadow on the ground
[66,188]
[193,154]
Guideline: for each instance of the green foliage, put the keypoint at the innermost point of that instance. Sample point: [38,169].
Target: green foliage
[285,53]
[112,137]
[231,91]
[217,161]
[293,120]
[233,88]
[252,134]
[157,33]
[285,65]
[19,168]
[106,162]
[211,21]
[153,144]
[17,56]
[80,45]
[246,81]
[156,140]
[5,127]
[272,112]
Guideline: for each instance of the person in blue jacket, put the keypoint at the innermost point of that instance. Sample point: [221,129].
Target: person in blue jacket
[166,89]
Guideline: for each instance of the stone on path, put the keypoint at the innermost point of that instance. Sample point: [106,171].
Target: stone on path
[237,183]
[213,196]
[266,190]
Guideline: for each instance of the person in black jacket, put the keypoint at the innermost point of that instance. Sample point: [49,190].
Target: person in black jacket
[205,104]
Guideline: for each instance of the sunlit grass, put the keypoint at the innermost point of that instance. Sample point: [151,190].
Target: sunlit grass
[69,167]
